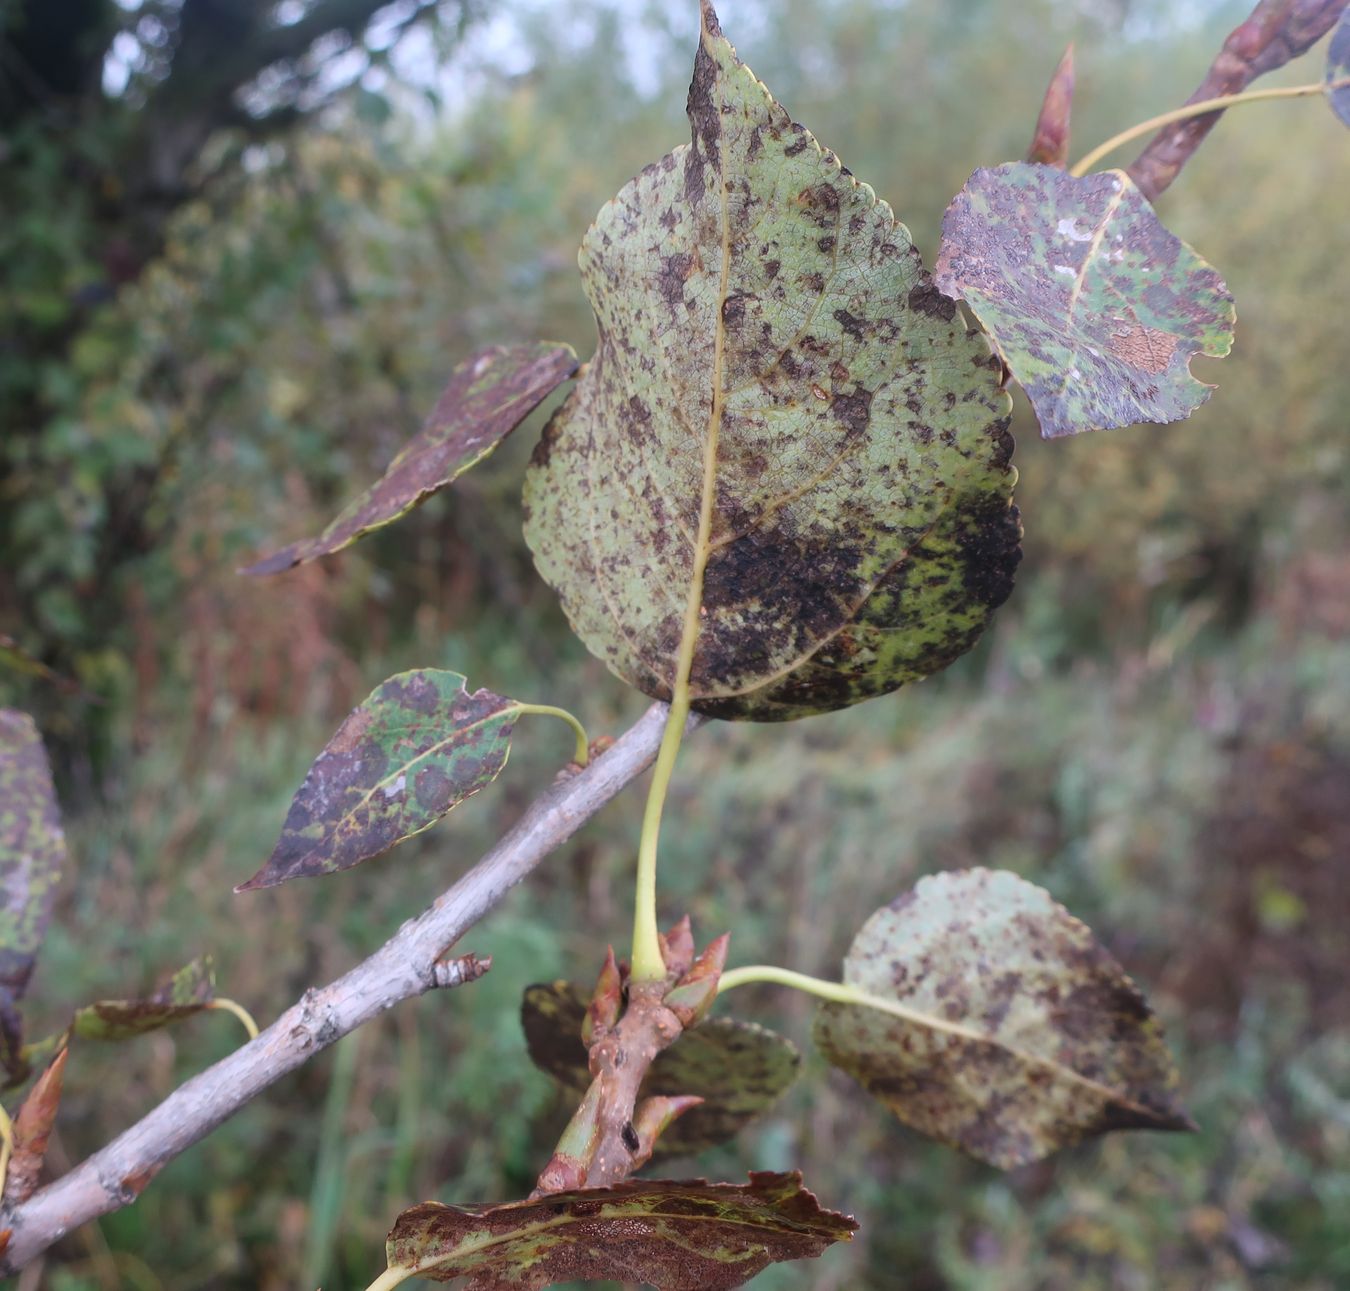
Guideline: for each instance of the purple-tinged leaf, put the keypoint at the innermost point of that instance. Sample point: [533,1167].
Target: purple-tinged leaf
[1095,308]
[32,1129]
[1337,82]
[739,1069]
[1014,1032]
[488,396]
[674,1235]
[32,850]
[418,746]
[190,990]
[1050,143]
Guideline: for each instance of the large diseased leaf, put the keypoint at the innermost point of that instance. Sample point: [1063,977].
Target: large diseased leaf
[488,396]
[1022,1035]
[1338,69]
[738,1068]
[416,747]
[1095,307]
[672,1235]
[32,850]
[184,995]
[766,330]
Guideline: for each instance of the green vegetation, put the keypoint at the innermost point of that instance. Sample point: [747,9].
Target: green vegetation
[1156,728]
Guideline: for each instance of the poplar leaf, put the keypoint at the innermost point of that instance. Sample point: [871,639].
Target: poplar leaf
[32,1129]
[1020,1033]
[32,851]
[487,397]
[780,394]
[1338,69]
[685,1235]
[1095,307]
[1050,142]
[184,995]
[415,748]
[738,1068]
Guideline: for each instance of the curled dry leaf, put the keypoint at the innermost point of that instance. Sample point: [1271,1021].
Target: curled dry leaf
[1050,142]
[416,747]
[488,396]
[186,993]
[1338,69]
[782,405]
[1095,307]
[32,851]
[738,1068]
[32,1128]
[684,1235]
[1020,1035]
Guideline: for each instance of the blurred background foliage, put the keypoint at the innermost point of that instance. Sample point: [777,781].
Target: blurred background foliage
[233,284]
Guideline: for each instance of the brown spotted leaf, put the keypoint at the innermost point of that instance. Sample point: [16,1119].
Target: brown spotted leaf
[1011,1032]
[1337,83]
[1050,142]
[787,444]
[32,851]
[32,1129]
[685,1235]
[418,746]
[488,396]
[738,1068]
[1095,307]
[184,995]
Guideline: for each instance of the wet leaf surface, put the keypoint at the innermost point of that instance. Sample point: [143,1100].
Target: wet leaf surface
[673,1235]
[487,397]
[770,343]
[739,1068]
[32,1129]
[1025,1035]
[1095,307]
[185,994]
[1338,69]
[415,748]
[32,851]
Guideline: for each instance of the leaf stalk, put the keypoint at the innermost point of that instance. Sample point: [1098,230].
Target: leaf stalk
[583,753]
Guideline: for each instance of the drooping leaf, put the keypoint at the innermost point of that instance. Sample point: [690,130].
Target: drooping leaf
[16,659]
[32,851]
[672,1235]
[1095,307]
[32,1129]
[738,1068]
[1338,69]
[1050,142]
[762,314]
[488,396]
[1020,1035]
[185,994]
[416,747]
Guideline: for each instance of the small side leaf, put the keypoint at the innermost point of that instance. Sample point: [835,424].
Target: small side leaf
[15,658]
[1020,1035]
[738,1068]
[186,993]
[488,396]
[1338,69]
[32,1128]
[1050,143]
[1094,306]
[32,851]
[676,1235]
[416,747]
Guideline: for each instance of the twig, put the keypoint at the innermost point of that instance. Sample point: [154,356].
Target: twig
[1275,32]
[407,965]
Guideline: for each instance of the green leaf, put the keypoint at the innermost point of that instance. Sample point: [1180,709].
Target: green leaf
[16,659]
[416,747]
[1018,1034]
[488,396]
[738,1068]
[675,1235]
[1095,307]
[770,346]
[1338,69]
[186,993]
[32,851]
